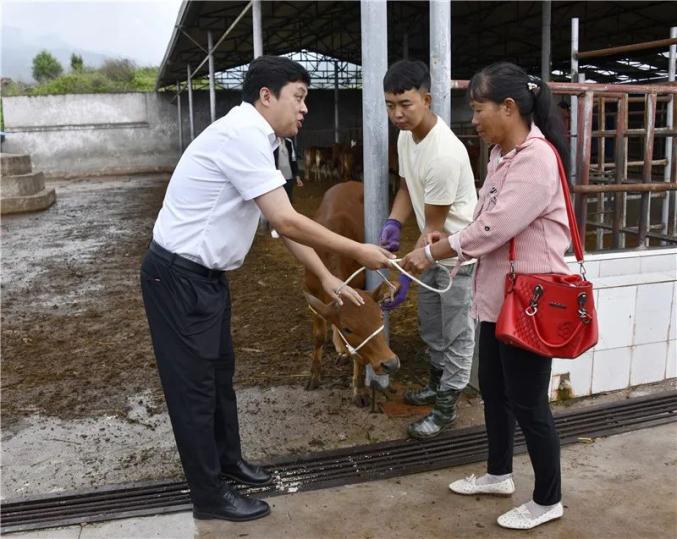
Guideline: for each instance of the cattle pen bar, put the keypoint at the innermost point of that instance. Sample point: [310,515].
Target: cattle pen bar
[619,185]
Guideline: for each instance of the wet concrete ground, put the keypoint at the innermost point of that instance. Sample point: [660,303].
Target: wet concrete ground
[621,487]
[49,455]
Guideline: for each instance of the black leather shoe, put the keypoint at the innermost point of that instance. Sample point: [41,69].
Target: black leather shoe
[233,506]
[249,474]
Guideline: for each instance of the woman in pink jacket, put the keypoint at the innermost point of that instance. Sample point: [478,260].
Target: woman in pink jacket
[522,199]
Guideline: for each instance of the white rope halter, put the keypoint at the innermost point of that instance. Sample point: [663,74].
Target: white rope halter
[353,350]
[395,261]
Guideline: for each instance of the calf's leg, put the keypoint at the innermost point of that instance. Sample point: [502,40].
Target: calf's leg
[319,336]
[360,392]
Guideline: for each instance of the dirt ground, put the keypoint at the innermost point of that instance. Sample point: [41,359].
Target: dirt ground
[74,336]
[81,402]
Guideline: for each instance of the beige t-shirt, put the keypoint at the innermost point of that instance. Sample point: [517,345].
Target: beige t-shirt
[438,172]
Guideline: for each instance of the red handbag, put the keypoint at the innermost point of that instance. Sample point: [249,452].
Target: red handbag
[550,314]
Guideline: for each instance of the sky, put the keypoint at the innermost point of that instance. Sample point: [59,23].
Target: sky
[138,30]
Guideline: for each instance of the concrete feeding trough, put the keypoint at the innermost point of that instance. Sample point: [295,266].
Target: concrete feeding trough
[22,190]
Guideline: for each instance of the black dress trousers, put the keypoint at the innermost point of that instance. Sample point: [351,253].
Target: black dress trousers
[189,319]
[514,386]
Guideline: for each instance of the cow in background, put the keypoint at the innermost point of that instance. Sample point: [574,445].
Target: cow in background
[317,163]
[309,163]
[344,162]
[342,210]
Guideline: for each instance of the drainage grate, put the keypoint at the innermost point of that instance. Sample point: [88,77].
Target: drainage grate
[332,468]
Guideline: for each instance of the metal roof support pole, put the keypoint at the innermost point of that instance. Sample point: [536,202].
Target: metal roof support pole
[189,85]
[546,8]
[573,141]
[440,58]
[178,112]
[225,35]
[256,26]
[336,103]
[665,216]
[212,92]
[374,121]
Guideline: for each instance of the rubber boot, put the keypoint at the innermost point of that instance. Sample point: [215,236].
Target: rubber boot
[428,393]
[443,415]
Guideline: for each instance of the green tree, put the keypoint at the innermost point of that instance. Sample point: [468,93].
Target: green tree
[77,65]
[115,76]
[121,70]
[46,67]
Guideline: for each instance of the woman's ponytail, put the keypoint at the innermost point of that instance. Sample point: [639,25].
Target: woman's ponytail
[547,117]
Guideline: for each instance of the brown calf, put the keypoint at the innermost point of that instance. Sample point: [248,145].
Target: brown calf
[342,210]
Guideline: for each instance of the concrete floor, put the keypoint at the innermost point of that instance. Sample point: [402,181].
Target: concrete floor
[620,487]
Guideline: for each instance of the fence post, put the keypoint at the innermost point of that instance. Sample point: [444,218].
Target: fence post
[649,128]
[601,151]
[620,153]
[583,152]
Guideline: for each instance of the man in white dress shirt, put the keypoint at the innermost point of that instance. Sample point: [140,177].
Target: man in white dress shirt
[206,226]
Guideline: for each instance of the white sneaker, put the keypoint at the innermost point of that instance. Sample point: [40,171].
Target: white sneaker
[469,486]
[520,518]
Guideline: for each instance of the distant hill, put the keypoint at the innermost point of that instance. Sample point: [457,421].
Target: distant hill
[18,51]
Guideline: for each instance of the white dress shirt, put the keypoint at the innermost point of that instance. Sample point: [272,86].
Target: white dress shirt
[208,214]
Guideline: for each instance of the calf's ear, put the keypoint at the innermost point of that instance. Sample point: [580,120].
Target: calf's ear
[325,310]
[385,290]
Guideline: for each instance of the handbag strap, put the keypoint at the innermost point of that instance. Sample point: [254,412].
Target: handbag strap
[573,226]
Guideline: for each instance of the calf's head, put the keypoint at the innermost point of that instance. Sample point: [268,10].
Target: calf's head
[358,324]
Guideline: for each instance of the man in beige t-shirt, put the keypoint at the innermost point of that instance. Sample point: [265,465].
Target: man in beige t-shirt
[437,184]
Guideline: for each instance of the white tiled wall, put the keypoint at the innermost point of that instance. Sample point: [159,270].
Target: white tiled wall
[636,299]
[611,369]
[579,370]
[648,363]
[616,316]
[672,334]
[620,266]
[658,262]
[652,312]
[671,367]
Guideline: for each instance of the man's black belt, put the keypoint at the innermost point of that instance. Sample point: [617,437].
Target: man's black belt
[179,261]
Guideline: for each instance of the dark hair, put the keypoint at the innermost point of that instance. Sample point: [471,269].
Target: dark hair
[273,72]
[502,80]
[406,75]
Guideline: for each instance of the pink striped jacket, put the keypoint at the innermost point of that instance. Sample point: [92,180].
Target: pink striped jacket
[521,198]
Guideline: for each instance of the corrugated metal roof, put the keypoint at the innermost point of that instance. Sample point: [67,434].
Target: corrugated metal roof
[482,32]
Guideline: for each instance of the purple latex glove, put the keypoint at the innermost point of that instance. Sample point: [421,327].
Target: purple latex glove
[400,295]
[390,235]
